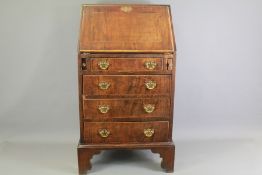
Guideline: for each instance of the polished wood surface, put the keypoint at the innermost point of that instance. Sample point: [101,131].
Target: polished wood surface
[126,74]
[112,29]
[127,64]
[166,150]
[123,85]
[127,108]
[125,132]
[123,63]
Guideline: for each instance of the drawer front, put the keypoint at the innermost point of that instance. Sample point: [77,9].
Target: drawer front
[126,64]
[132,108]
[125,132]
[121,85]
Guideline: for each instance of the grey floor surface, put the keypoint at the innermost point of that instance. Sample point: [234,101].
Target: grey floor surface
[193,157]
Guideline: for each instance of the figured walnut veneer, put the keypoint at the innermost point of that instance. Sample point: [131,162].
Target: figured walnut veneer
[126,72]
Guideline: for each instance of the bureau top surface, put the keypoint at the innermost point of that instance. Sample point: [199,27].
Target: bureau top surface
[126,28]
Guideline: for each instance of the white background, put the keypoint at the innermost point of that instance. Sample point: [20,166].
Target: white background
[218,99]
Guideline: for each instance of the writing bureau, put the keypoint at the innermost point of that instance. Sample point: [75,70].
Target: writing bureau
[126,71]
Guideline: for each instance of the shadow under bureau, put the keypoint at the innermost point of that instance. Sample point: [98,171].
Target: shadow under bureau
[126,70]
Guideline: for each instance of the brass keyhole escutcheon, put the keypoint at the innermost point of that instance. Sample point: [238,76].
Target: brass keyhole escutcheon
[150,65]
[104,85]
[150,84]
[104,133]
[149,132]
[103,64]
[149,108]
[103,108]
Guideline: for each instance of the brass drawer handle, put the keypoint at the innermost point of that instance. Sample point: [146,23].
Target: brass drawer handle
[104,85]
[104,133]
[149,108]
[150,65]
[150,84]
[149,132]
[103,108]
[103,64]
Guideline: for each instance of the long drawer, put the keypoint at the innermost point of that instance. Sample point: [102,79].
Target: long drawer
[125,132]
[126,64]
[122,85]
[126,108]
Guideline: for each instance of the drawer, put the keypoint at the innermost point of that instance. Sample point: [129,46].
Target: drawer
[123,85]
[126,64]
[131,108]
[125,132]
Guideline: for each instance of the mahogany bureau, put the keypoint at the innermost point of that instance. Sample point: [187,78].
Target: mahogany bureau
[126,63]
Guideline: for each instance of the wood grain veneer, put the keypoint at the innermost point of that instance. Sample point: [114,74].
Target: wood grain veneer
[126,76]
